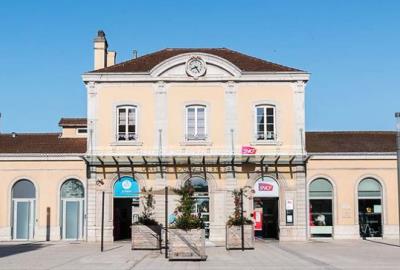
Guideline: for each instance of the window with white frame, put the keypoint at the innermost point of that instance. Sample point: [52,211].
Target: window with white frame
[196,122]
[265,123]
[126,123]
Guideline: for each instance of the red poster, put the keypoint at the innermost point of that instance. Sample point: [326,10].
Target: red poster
[257,218]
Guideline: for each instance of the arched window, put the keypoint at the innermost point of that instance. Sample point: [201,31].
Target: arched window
[321,196]
[72,209]
[199,185]
[321,188]
[23,189]
[202,206]
[72,189]
[23,210]
[370,208]
[196,118]
[126,123]
[265,126]
[369,188]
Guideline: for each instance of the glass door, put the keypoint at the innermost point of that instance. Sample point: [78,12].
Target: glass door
[202,210]
[72,219]
[23,219]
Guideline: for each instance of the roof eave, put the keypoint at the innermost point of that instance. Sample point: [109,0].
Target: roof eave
[146,76]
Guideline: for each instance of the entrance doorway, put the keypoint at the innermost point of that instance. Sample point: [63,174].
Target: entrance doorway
[266,208]
[126,206]
[122,218]
[269,212]
[23,210]
[72,210]
[202,201]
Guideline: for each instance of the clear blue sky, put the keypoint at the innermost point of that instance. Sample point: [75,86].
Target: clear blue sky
[351,49]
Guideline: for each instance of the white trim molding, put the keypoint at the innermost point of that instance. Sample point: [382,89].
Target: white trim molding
[245,77]
[182,59]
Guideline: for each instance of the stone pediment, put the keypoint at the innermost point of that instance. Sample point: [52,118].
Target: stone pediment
[177,67]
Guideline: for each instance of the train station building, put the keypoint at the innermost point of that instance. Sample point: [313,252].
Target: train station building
[217,118]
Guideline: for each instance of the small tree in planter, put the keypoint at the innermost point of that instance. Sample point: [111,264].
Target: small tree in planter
[187,236]
[235,224]
[146,231]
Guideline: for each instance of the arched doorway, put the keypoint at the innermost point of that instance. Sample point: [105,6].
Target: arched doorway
[126,204]
[23,210]
[266,208]
[370,208]
[320,199]
[72,209]
[202,206]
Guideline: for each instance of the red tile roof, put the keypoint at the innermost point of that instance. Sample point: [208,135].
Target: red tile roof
[351,142]
[316,142]
[244,62]
[41,143]
[72,122]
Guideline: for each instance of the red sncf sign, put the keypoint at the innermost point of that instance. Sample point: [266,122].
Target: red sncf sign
[265,187]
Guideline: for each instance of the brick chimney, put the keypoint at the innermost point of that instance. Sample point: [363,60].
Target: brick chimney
[102,57]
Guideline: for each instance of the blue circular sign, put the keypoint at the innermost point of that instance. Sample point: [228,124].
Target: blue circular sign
[126,187]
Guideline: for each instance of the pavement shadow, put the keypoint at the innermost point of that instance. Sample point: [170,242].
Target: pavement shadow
[382,243]
[13,249]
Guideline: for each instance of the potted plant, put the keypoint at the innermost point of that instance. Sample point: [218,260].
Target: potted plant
[236,223]
[146,231]
[186,234]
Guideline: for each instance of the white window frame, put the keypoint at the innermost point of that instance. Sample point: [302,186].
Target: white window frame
[196,137]
[265,107]
[127,107]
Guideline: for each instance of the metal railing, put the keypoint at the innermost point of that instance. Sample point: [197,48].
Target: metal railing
[265,136]
[127,136]
[195,137]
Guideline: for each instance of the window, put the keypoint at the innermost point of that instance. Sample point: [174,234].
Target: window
[202,201]
[321,195]
[370,208]
[265,123]
[127,123]
[72,188]
[196,122]
[23,189]
[81,131]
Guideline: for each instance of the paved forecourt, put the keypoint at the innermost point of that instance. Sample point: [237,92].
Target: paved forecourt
[356,254]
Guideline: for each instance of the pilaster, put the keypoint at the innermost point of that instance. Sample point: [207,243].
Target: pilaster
[161,115]
[299,117]
[91,210]
[230,115]
[92,91]
[300,207]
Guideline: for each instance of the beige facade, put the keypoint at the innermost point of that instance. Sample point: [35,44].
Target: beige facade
[139,125]
[47,174]
[345,173]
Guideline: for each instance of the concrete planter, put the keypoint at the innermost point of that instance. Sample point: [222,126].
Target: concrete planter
[146,237]
[234,237]
[186,245]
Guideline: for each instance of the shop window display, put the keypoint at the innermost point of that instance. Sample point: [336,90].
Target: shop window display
[370,208]
[321,220]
